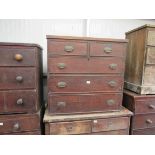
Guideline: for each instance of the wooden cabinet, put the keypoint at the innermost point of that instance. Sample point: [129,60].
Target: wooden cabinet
[143,107]
[85,74]
[20,88]
[94,123]
[140,69]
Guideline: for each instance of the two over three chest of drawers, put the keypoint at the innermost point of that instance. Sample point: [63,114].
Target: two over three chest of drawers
[143,107]
[85,74]
[20,87]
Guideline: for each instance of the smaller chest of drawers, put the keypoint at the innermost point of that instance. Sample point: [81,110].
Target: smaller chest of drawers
[85,74]
[20,79]
[109,123]
[143,107]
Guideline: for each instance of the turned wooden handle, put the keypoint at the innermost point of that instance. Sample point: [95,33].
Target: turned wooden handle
[18,57]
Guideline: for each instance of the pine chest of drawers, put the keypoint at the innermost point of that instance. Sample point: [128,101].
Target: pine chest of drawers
[20,88]
[143,107]
[85,74]
[110,123]
[140,61]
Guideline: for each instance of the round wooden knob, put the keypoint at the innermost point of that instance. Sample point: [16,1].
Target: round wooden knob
[18,57]
[149,121]
[19,78]
[20,101]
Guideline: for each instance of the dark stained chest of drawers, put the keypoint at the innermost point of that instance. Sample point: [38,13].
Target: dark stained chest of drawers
[143,107]
[110,123]
[85,74]
[20,87]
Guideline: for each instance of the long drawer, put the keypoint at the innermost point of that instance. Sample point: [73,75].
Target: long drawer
[147,131]
[17,78]
[19,123]
[85,83]
[17,56]
[143,121]
[83,65]
[80,103]
[19,101]
[38,132]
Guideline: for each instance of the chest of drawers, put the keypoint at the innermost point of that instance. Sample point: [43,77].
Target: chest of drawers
[140,68]
[110,123]
[143,107]
[85,74]
[20,88]
[20,79]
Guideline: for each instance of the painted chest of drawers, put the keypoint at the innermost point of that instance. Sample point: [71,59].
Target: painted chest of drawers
[20,87]
[140,61]
[85,74]
[143,107]
[110,123]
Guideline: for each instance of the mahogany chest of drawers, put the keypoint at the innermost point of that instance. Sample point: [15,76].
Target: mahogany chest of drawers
[20,87]
[110,123]
[140,61]
[143,107]
[85,74]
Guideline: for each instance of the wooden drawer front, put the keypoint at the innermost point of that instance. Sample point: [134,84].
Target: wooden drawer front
[151,38]
[67,128]
[108,49]
[143,121]
[110,124]
[84,103]
[20,102]
[149,72]
[19,123]
[1,101]
[26,133]
[150,58]
[146,105]
[17,78]
[115,132]
[85,83]
[67,48]
[13,56]
[83,65]
[148,131]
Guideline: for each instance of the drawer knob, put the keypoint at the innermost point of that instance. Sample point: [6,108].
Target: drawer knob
[18,57]
[95,121]
[61,104]
[110,102]
[107,50]
[16,126]
[149,121]
[61,84]
[151,106]
[69,48]
[20,101]
[19,78]
[113,66]
[61,65]
[112,83]
[69,128]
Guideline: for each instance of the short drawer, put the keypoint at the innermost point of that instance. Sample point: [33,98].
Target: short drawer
[148,131]
[143,121]
[17,56]
[84,83]
[19,123]
[145,105]
[150,55]
[84,103]
[61,47]
[1,101]
[109,124]
[108,49]
[115,132]
[83,65]
[20,102]
[151,38]
[17,78]
[68,128]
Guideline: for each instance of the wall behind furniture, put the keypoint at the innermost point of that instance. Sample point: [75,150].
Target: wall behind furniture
[35,31]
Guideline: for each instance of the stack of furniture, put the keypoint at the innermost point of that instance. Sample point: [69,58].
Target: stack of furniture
[85,86]
[140,78]
[20,88]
